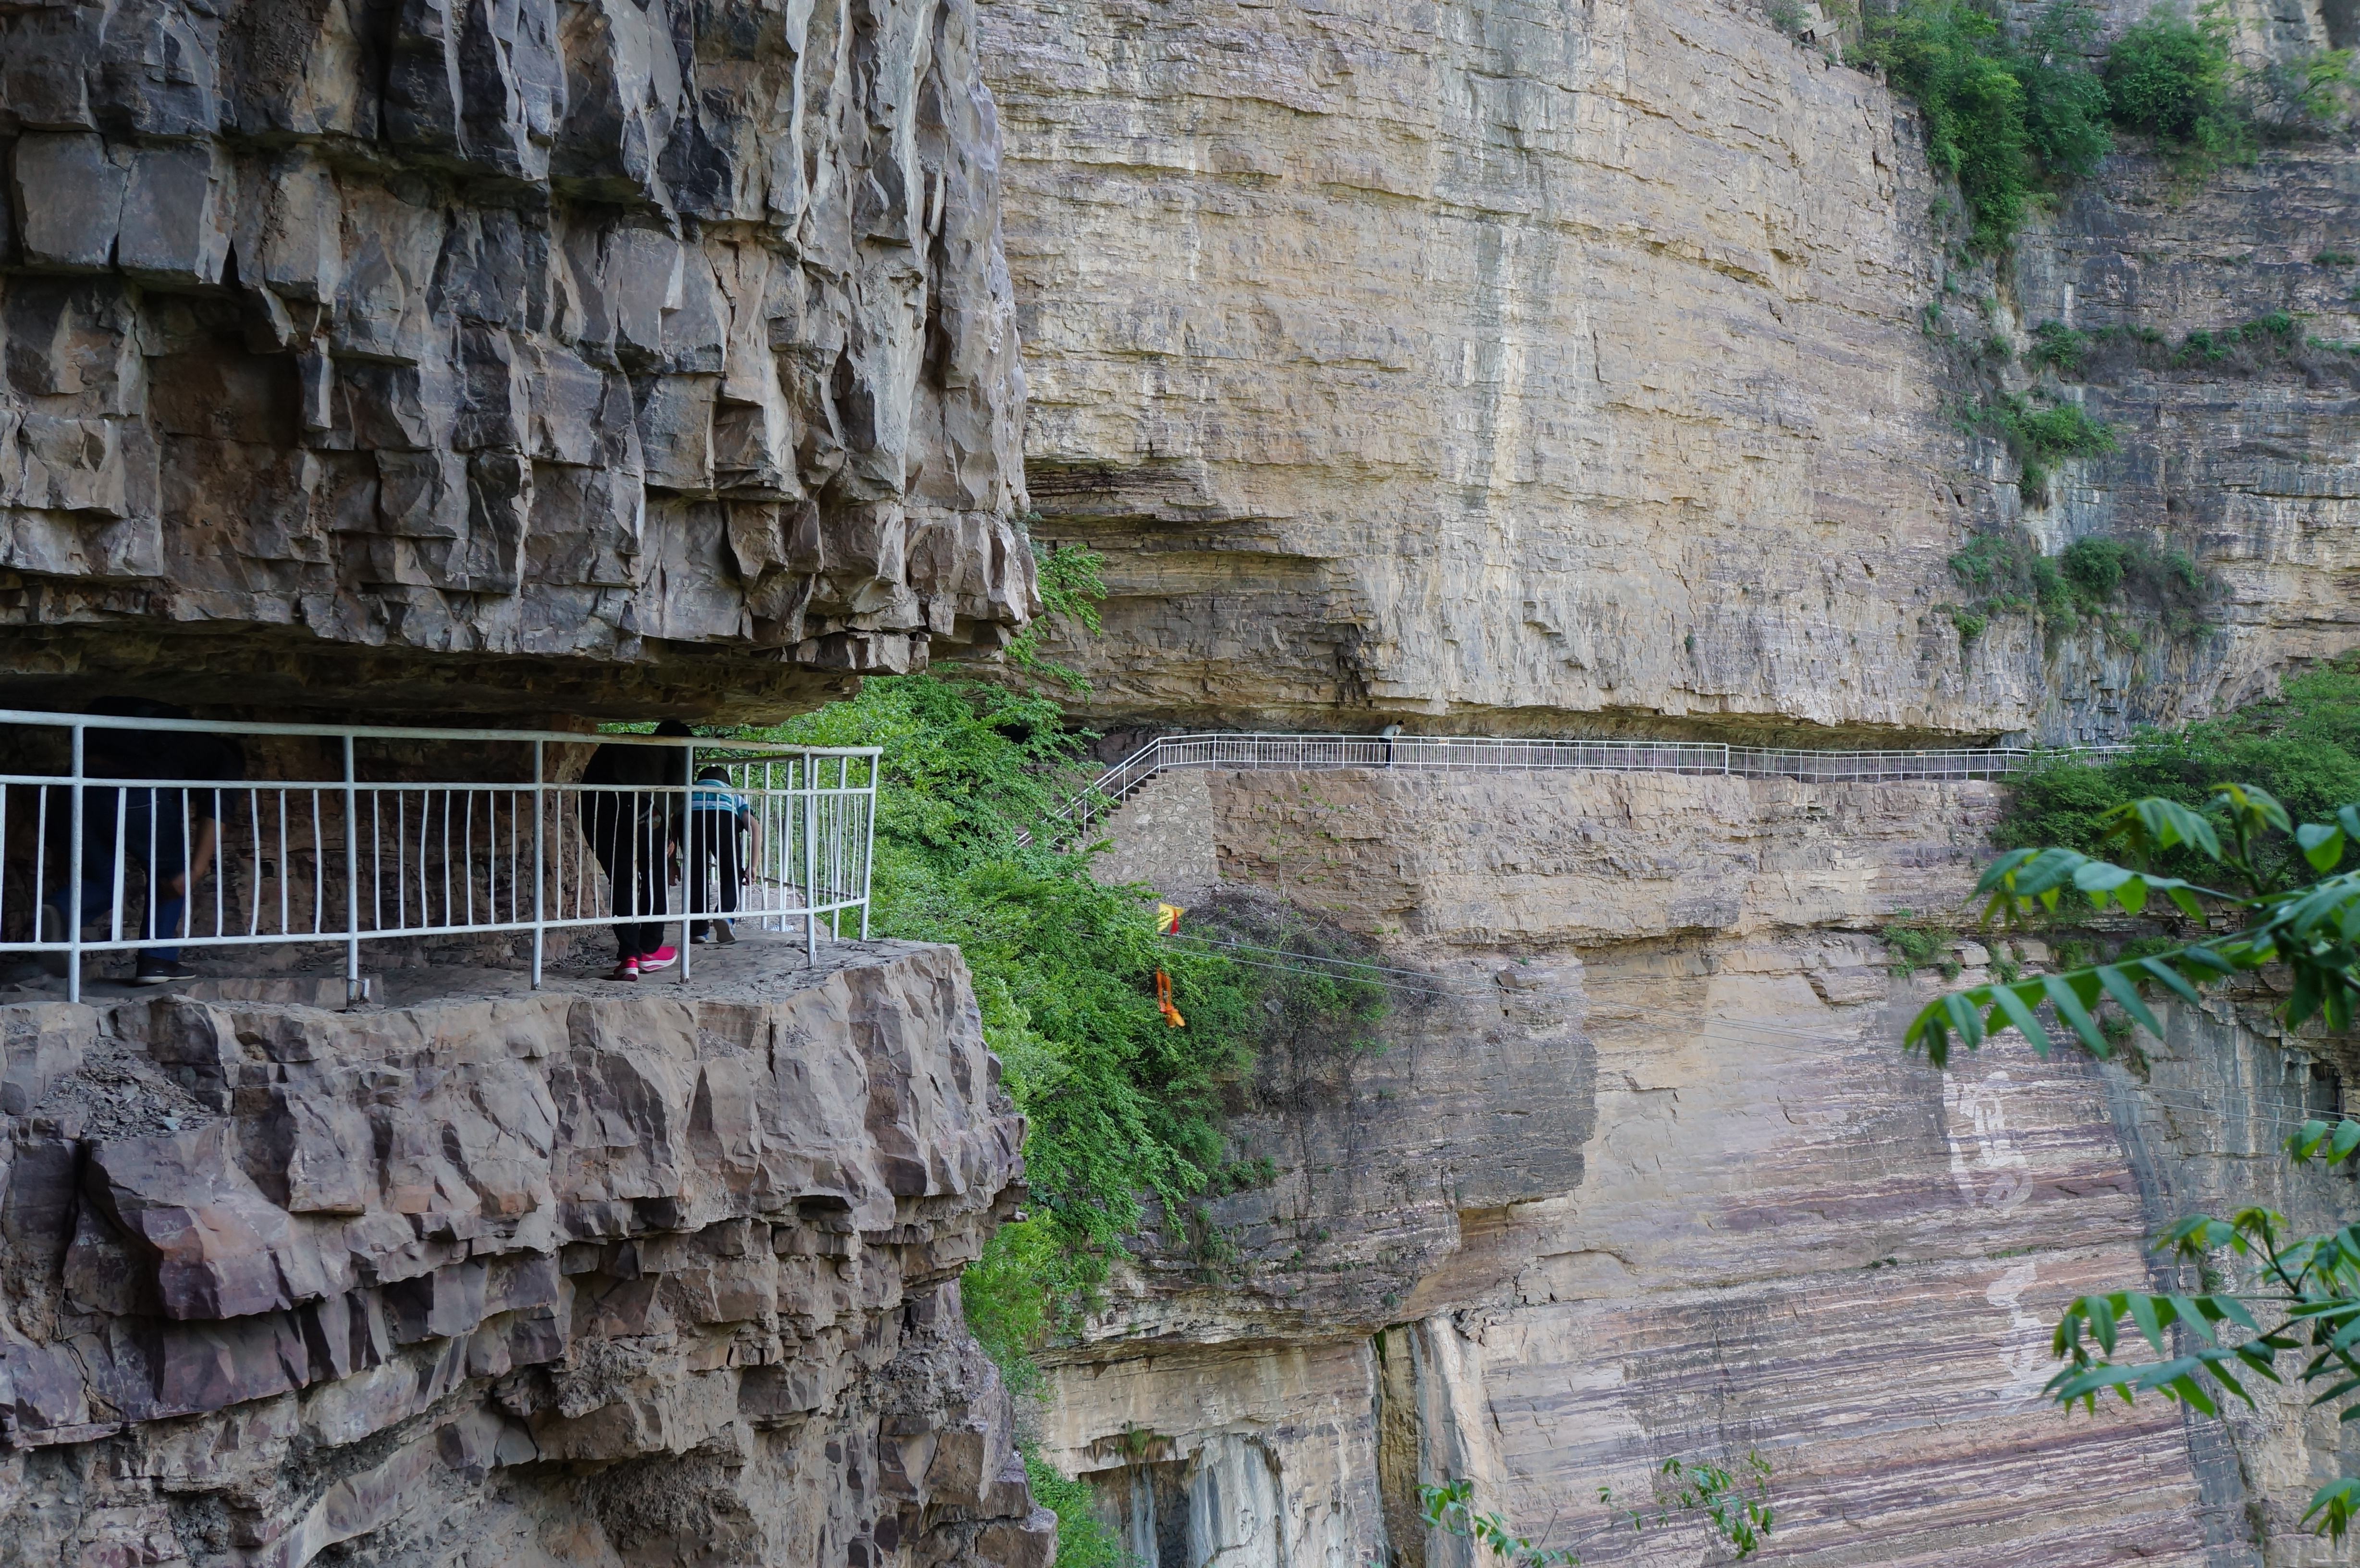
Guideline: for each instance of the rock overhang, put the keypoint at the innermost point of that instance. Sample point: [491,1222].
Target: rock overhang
[617,360]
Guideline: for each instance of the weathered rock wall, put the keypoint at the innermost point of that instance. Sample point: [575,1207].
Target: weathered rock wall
[499,1278]
[2251,462]
[1497,367]
[501,358]
[1740,1217]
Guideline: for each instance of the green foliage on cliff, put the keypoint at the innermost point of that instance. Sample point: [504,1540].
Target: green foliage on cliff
[1122,1107]
[2121,586]
[2040,434]
[2170,78]
[1119,1102]
[1082,1541]
[2269,1295]
[1071,590]
[2272,341]
[2008,117]
[2303,747]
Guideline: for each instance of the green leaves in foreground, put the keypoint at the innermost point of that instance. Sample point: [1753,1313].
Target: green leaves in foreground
[2291,1296]
[2311,929]
[2214,1344]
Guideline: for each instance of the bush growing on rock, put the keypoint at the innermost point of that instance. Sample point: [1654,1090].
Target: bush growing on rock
[2170,78]
[1119,1103]
[2303,747]
[2008,117]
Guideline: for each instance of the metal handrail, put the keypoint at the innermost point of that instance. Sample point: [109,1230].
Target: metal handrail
[1306,752]
[789,848]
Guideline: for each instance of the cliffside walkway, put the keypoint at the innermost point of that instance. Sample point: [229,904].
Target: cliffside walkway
[347,834]
[1459,753]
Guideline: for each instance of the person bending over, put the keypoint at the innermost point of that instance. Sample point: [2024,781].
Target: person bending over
[633,819]
[721,827]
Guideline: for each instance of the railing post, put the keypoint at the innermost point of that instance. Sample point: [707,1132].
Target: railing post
[539,872]
[73,880]
[354,992]
[692,865]
[868,849]
[811,860]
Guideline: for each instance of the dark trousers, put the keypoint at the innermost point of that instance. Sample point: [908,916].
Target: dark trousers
[153,835]
[715,862]
[631,848]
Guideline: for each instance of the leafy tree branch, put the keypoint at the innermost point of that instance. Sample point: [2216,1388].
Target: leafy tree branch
[2297,915]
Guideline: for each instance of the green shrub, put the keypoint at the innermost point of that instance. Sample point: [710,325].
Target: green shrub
[2278,333]
[1916,945]
[1123,1109]
[2093,568]
[1082,1541]
[2040,436]
[2058,345]
[2007,119]
[2170,79]
[2304,746]
[2007,574]
[2312,95]
[2337,259]
[1119,1103]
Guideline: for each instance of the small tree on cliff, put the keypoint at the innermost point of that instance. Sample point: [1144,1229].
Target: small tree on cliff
[2289,1300]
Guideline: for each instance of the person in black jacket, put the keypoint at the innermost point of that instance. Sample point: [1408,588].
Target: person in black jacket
[169,832]
[634,835]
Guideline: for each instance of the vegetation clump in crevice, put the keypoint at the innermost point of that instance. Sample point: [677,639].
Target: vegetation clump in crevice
[2017,115]
[2170,78]
[2274,343]
[1125,1111]
[2117,584]
[2039,432]
[1914,944]
[1083,1538]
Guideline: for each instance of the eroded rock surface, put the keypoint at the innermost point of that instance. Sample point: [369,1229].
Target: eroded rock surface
[636,356]
[1689,1199]
[1494,368]
[569,1277]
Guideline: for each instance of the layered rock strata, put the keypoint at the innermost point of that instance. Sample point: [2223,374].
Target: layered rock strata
[628,356]
[2245,453]
[1740,1219]
[505,1277]
[1497,367]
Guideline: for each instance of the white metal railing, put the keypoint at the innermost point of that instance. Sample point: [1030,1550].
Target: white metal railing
[357,852]
[1477,754]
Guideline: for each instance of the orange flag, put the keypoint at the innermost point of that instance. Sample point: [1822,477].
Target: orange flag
[1164,1001]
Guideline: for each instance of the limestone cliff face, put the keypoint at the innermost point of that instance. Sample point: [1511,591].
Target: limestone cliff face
[1736,1217]
[1523,368]
[508,1278]
[2251,462]
[645,355]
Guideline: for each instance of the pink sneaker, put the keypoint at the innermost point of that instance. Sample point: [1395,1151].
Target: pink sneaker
[661,958]
[627,970]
